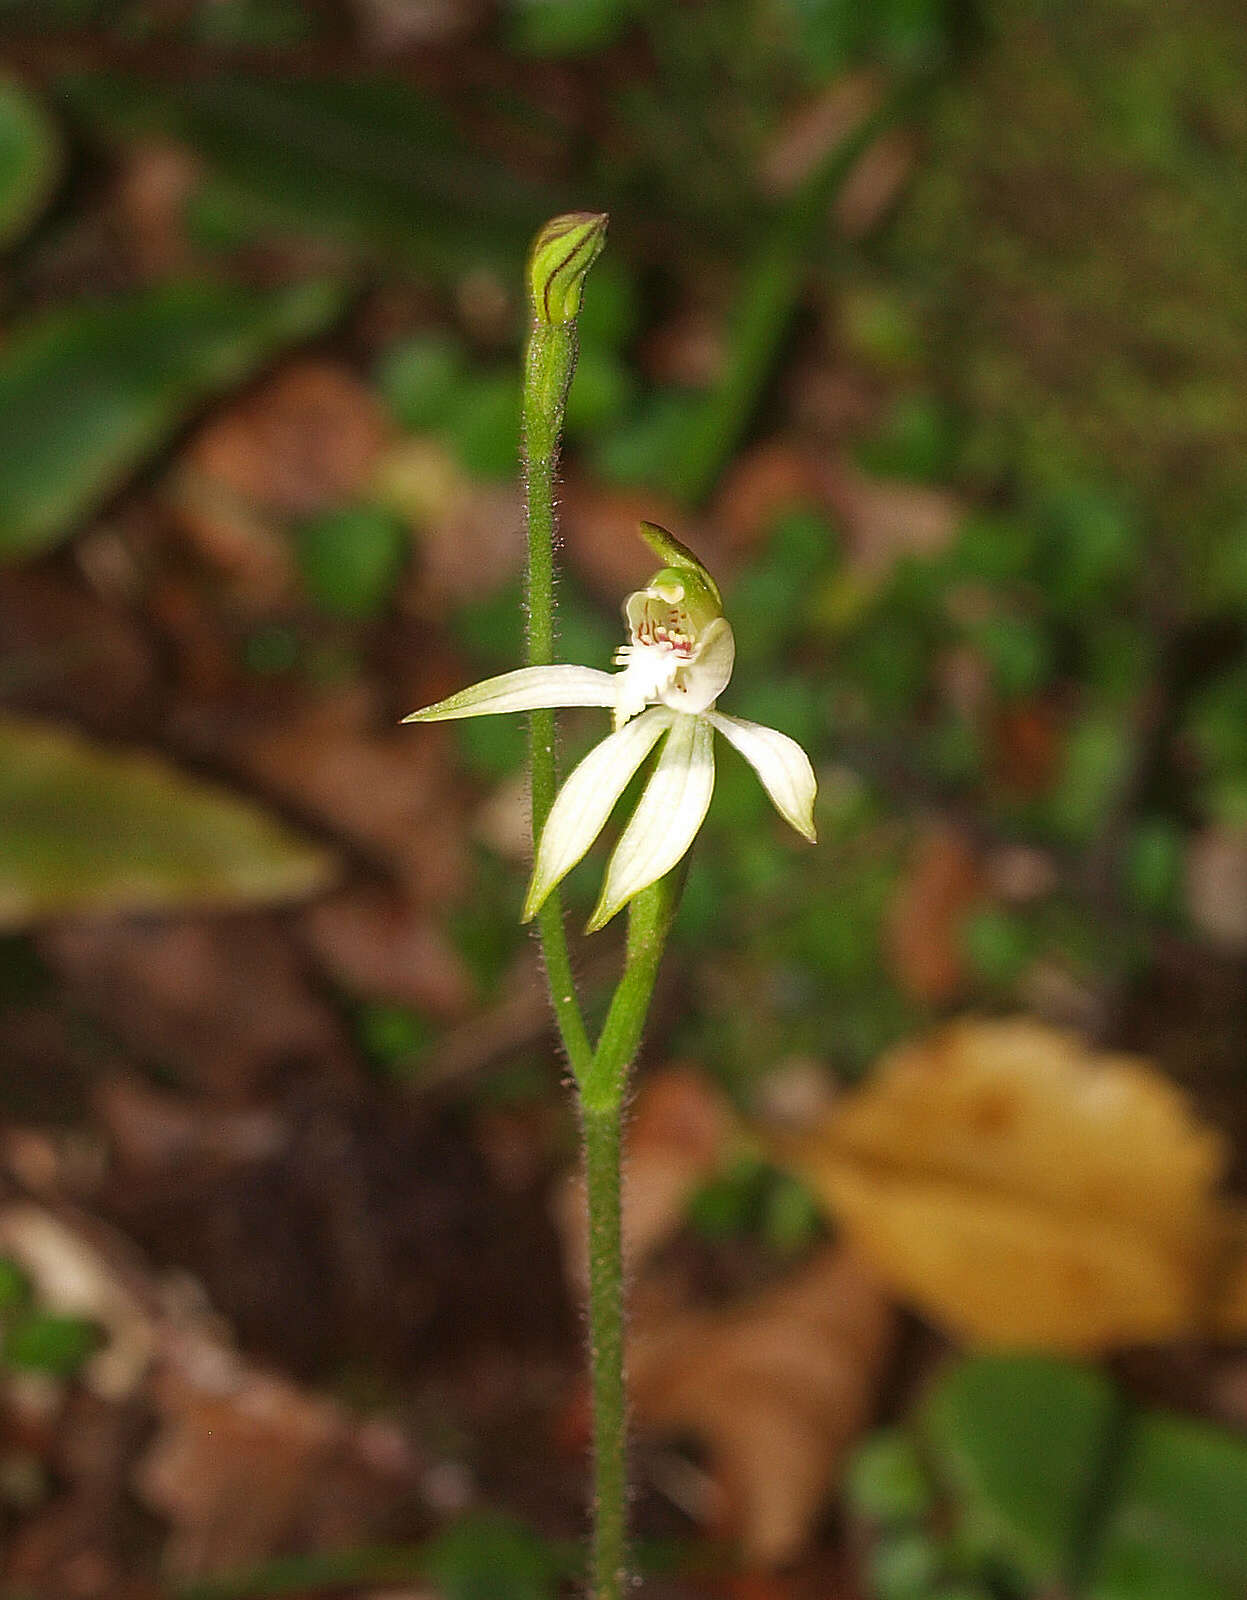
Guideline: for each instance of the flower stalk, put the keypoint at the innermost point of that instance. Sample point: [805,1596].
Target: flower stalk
[562,254]
[677,661]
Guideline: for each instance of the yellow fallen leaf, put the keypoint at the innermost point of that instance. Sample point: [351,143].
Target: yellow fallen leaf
[1024,1190]
[777,1389]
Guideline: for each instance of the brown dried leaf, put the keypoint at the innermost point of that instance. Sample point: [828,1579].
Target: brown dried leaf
[886,520]
[816,128]
[926,915]
[761,484]
[1026,1191]
[245,1465]
[471,535]
[381,945]
[1216,886]
[224,1001]
[66,650]
[307,439]
[778,1389]
[600,529]
[874,185]
[376,784]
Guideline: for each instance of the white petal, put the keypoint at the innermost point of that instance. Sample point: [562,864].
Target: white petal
[666,819]
[529,689]
[704,679]
[780,763]
[586,800]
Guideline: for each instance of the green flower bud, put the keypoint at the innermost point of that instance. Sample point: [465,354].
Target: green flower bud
[561,256]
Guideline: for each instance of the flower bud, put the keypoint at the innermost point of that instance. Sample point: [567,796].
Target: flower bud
[561,256]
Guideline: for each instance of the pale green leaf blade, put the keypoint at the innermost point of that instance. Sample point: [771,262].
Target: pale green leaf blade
[86,829]
[1178,1523]
[89,392]
[586,800]
[782,766]
[528,689]
[1020,1442]
[666,819]
[30,160]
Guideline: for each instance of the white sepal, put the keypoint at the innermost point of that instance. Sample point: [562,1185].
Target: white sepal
[666,819]
[529,689]
[586,800]
[781,764]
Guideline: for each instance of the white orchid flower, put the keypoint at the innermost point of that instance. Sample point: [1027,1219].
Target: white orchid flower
[677,662]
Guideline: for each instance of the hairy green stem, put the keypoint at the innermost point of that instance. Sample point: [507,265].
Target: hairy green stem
[562,254]
[602,1132]
[550,361]
[601,1099]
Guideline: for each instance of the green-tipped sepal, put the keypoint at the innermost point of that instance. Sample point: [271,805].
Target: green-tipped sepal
[560,259]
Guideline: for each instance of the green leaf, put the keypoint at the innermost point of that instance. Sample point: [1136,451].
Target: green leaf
[565,27]
[42,1342]
[904,1565]
[89,392]
[887,1482]
[1098,753]
[14,1286]
[85,829]
[486,1556]
[484,426]
[1178,1528]
[30,161]
[1020,1441]
[371,161]
[420,378]
[350,559]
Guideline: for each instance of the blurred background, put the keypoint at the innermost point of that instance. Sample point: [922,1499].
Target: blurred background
[925,323]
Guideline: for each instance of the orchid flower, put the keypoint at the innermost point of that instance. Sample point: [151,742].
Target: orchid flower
[676,664]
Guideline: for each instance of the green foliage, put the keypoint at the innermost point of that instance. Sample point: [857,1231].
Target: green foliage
[887,1482]
[38,1341]
[833,34]
[1153,866]
[1113,354]
[371,161]
[1021,1443]
[1053,1482]
[770,601]
[85,829]
[1178,1527]
[420,378]
[351,559]
[903,1565]
[999,945]
[483,425]
[14,1286]
[485,1556]
[30,161]
[90,391]
[1098,751]
[919,442]
[603,392]
[395,1037]
[565,27]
